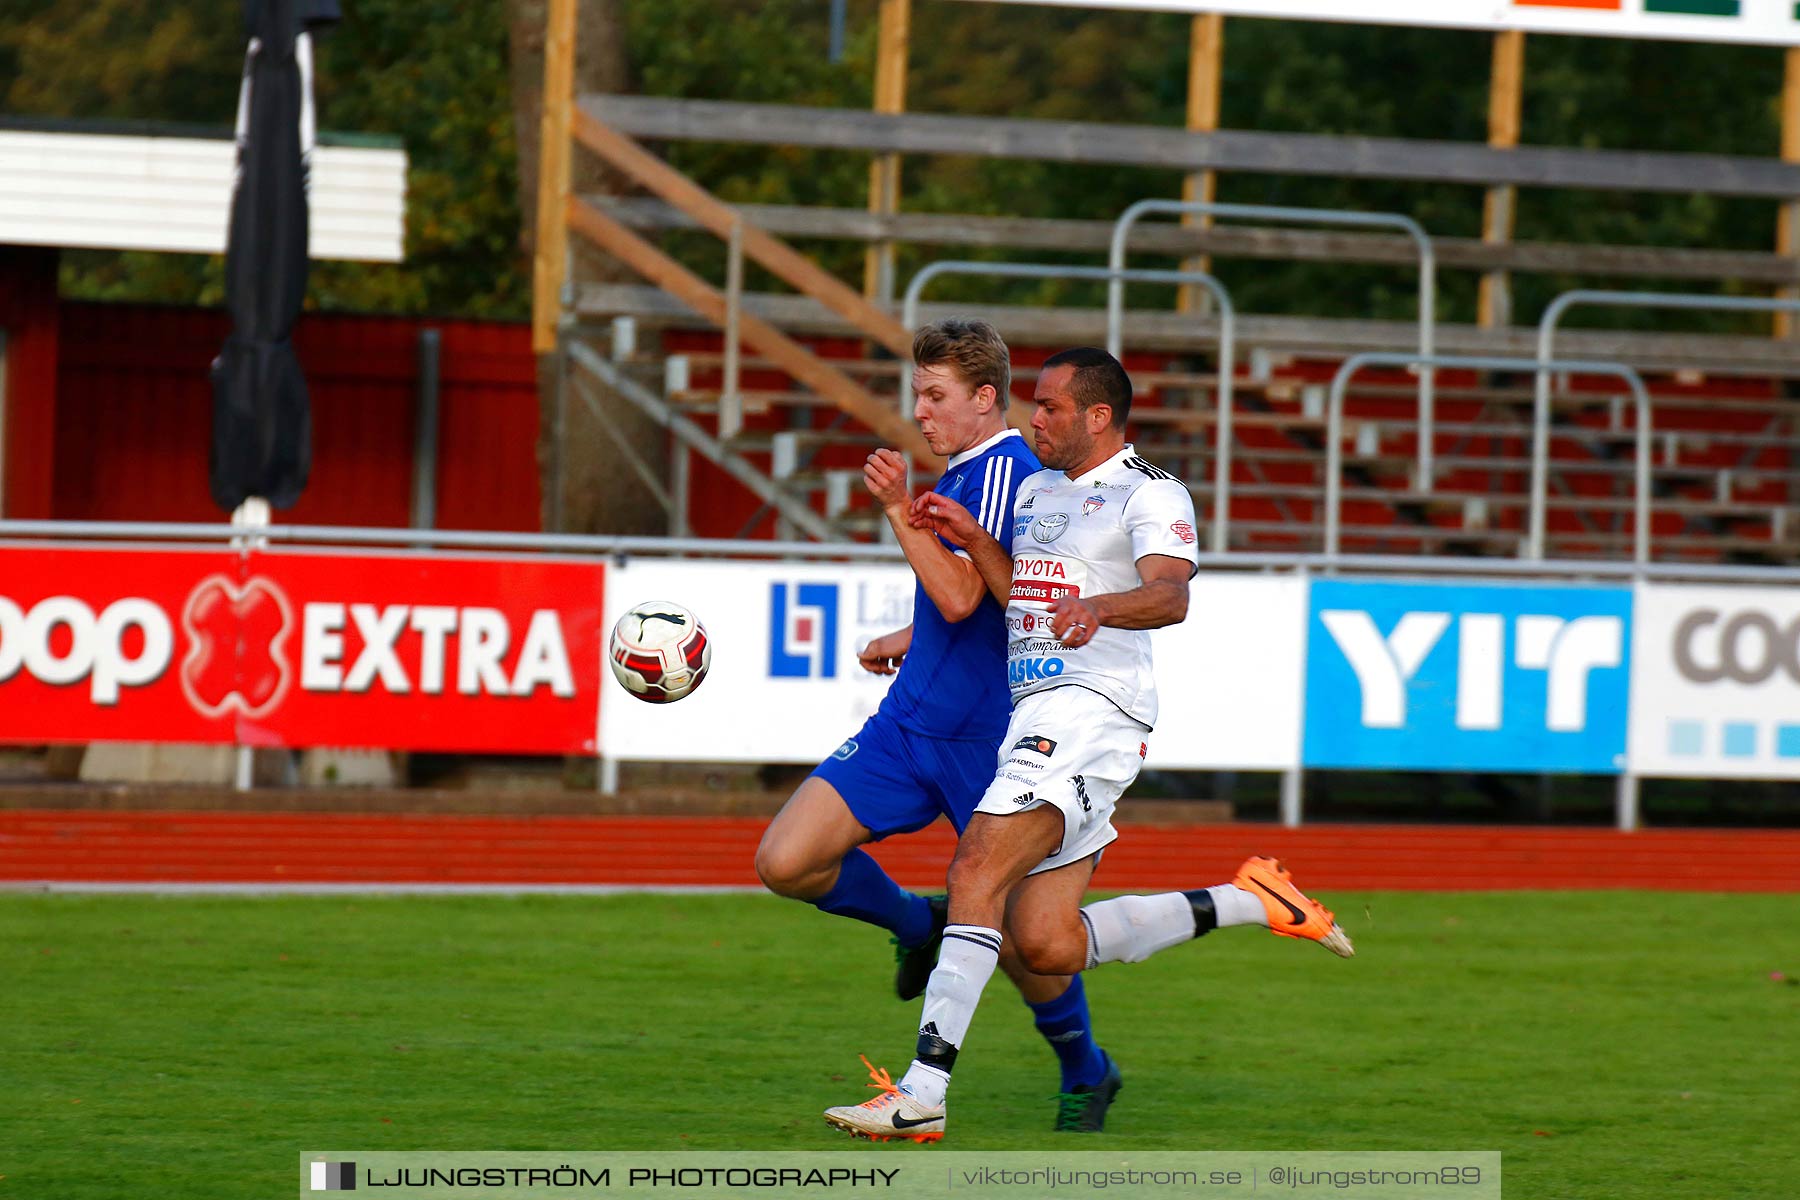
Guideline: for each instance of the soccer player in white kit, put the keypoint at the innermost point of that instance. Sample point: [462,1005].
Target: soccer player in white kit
[1103,547]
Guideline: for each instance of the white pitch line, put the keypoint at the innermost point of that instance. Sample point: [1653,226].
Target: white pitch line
[77,887]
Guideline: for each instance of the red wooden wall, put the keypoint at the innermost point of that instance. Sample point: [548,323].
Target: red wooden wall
[133,415]
[31,317]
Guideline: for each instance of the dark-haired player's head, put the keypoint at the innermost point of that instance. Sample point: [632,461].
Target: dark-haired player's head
[1083,399]
[961,374]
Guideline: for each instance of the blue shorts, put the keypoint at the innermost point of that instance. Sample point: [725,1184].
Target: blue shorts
[896,781]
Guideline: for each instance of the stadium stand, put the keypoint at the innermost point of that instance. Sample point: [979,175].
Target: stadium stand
[1724,478]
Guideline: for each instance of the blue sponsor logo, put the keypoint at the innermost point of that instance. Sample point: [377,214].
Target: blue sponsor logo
[1489,678]
[1031,670]
[846,750]
[803,630]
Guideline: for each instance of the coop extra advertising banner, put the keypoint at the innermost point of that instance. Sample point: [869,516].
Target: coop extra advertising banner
[785,686]
[292,648]
[1716,682]
[1443,676]
[1772,22]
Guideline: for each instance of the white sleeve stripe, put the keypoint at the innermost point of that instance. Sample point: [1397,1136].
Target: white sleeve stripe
[1002,489]
[1006,492]
[987,492]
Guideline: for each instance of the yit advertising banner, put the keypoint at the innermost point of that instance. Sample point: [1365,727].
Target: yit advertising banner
[293,648]
[1457,677]
[1716,682]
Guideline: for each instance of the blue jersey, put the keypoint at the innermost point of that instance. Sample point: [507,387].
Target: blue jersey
[953,681]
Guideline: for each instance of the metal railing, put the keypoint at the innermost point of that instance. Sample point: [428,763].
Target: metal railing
[1115,292]
[628,546]
[1540,411]
[1221,521]
[731,399]
[1334,420]
[581,544]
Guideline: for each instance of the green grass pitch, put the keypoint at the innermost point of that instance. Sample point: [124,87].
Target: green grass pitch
[1611,1045]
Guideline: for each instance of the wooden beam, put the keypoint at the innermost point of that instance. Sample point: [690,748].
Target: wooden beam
[1247,241]
[893,40]
[830,383]
[550,257]
[1206,55]
[717,216]
[1505,89]
[1304,337]
[1140,145]
[1787,235]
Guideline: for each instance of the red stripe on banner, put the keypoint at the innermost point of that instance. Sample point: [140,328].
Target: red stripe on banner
[1606,5]
[296,848]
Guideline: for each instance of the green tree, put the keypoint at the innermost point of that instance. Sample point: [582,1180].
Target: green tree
[433,74]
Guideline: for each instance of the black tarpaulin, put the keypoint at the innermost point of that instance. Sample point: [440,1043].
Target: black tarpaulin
[262,425]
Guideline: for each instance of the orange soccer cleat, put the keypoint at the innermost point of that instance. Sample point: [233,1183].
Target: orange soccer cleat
[1292,913]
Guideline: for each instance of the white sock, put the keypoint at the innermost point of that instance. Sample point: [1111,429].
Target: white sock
[925,1083]
[965,964]
[1132,928]
[1235,906]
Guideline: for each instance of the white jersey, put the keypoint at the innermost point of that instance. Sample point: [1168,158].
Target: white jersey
[1083,537]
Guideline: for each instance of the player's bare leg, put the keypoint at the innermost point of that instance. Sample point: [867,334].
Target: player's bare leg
[812,851]
[1044,928]
[1043,919]
[803,849]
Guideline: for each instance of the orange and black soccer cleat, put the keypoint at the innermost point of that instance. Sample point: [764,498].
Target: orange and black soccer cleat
[1291,912]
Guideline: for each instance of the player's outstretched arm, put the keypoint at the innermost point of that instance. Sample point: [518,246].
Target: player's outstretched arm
[1161,599]
[947,519]
[883,655]
[951,582]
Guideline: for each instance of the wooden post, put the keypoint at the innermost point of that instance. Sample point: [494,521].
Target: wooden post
[891,46]
[1787,237]
[1504,89]
[550,263]
[1206,53]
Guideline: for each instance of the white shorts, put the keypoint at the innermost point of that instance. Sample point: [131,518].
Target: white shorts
[1075,751]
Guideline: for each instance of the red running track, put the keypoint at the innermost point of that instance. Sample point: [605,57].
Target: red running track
[64,846]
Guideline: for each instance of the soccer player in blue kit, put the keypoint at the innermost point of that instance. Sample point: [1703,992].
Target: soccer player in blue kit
[931,747]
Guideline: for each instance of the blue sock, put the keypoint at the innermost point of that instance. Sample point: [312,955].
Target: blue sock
[864,891]
[1065,1025]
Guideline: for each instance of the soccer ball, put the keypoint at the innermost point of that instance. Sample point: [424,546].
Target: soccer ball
[659,651]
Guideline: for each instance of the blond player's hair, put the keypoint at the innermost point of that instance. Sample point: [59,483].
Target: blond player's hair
[973,350]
